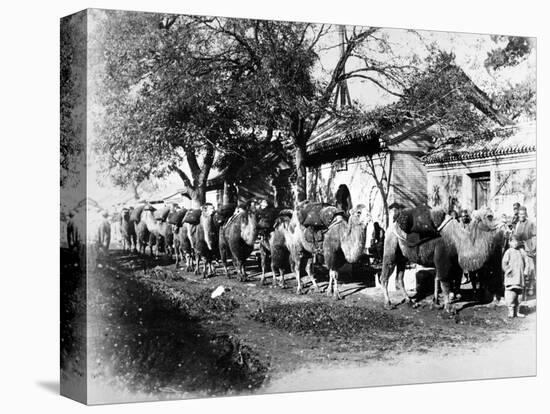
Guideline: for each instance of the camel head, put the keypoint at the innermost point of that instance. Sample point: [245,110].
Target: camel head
[359,216]
[249,228]
[207,223]
[125,214]
[483,220]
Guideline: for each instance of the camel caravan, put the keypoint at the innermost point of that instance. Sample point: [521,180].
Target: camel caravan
[204,239]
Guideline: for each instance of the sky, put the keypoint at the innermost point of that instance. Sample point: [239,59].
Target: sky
[470,51]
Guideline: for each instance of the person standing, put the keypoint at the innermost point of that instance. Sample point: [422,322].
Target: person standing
[526,233]
[377,242]
[514,266]
[343,198]
[515,216]
[464,218]
[104,234]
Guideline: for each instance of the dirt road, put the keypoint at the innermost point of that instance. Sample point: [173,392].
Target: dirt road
[156,333]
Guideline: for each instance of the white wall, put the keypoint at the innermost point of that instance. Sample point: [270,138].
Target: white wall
[508,175]
[323,183]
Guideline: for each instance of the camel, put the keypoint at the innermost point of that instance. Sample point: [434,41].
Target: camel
[278,251]
[299,247]
[182,247]
[142,235]
[456,251]
[204,236]
[344,242]
[237,237]
[128,231]
[161,231]
[268,218]
[140,228]
[182,241]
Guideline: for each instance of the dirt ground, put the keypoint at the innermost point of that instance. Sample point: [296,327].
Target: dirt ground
[155,332]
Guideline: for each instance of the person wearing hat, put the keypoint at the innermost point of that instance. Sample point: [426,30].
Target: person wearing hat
[104,234]
[377,242]
[343,198]
[515,216]
[514,266]
[526,232]
[464,218]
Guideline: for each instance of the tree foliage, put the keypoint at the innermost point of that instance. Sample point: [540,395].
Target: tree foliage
[514,52]
[72,89]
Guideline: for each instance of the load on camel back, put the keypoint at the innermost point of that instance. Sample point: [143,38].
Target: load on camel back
[316,217]
[420,223]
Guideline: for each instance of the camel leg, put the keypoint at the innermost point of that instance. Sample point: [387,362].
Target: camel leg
[223,259]
[263,263]
[298,279]
[205,269]
[243,272]
[309,270]
[435,301]
[273,272]
[189,262]
[197,263]
[333,283]
[282,272]
[330,287]
[473,282]
[177,257]
[238,267]
[400,282]
[443,277]
[445,288]
[387,270]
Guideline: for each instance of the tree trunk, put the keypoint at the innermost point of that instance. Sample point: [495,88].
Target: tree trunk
[301,173]
[135,191]
[198,196]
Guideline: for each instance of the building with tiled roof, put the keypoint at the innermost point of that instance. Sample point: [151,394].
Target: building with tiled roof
[494,171]
[379,166]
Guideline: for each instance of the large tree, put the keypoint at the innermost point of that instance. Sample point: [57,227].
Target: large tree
[72,97]
[172,95]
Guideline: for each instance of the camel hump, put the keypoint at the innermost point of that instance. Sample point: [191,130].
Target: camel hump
[310,214]
[176,217]
[136,213]
[226,210]
[193,216]
[266,217]
[327,214]
[162,213]
[417,220]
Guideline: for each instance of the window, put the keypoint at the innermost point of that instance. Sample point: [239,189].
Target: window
[481,189]
[340,165]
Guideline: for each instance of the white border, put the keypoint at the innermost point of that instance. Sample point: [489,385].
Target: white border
[29,165]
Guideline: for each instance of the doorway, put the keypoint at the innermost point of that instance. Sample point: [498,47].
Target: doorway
[481,185]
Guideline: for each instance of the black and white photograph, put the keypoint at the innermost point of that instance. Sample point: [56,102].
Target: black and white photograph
[259,206]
